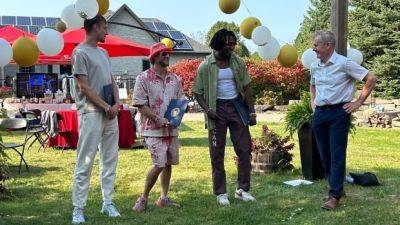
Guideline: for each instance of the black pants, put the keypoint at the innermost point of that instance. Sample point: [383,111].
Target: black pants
[240,136]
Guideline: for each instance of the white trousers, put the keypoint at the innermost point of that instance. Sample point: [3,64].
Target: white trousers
[96,131]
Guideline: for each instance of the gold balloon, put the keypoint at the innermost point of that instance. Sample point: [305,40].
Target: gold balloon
[61,26]
[25,52]
[247,26]
[103,6]
[168,42]
[288,56]
[229,6]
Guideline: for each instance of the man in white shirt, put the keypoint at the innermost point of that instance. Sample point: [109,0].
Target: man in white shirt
[332,89]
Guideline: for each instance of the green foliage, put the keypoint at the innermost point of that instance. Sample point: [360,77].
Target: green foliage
[220,25]
[374,29]
[256,56]
[269,97]
[317,18]
[298,114]
[4,175]
[241,48]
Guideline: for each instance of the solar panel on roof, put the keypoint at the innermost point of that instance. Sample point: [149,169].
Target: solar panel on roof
[176,35]
[150,25]
[23,20]
[168,31]
[51,21]
[24,28]
[185,45]
[34,29]
[161,26]
[38,21]
[164,32]
[8,20]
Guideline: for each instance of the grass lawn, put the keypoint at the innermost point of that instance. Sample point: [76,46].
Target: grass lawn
[44,195]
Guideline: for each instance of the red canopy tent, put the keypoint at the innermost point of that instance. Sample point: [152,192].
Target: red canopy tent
[10,34]
[115,46]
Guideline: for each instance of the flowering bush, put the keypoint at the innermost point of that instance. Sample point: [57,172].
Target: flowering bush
[266,77]
[6,92]
[270,76]
[186,69]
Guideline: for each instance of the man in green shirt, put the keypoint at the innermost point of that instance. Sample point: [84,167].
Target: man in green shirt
[221,88]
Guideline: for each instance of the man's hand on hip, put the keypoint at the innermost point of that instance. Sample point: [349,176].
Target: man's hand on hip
[352,106]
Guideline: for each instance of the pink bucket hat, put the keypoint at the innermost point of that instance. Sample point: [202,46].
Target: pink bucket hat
[156,49]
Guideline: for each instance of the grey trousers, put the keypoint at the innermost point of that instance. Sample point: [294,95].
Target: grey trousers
[96,131]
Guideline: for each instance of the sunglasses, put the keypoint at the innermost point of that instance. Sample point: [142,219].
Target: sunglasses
[164,54]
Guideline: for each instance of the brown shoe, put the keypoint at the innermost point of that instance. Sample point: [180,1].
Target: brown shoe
[327,197]
[331,204]
[140,205]
[165,201]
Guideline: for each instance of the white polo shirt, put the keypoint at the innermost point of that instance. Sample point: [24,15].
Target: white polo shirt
[334,80]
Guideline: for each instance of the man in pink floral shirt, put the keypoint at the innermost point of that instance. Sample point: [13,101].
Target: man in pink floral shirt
[154,89]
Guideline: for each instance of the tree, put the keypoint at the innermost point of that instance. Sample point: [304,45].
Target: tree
[317,18]
[241,48]
[374,29]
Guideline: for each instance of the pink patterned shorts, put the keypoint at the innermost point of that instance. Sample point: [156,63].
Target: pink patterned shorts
[164,150]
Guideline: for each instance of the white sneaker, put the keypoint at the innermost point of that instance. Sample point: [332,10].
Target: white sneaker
[245,196]
[110,210]
[222,199]
[77,216]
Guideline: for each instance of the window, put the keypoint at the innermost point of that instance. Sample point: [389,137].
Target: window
[30,69]
[50,68]
[145,64]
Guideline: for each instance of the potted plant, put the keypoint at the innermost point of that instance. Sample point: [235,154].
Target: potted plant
[270,152]
[298,119]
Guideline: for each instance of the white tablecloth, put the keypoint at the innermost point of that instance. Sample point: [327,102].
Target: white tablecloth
[41,106]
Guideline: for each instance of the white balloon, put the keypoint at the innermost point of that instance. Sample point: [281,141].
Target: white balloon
[270,51]
[355,55]
[71,18]
[87,9]
[50,41]
[261,35]
[6,52]
[308,57]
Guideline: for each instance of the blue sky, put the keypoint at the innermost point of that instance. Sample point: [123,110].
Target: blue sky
[282,17]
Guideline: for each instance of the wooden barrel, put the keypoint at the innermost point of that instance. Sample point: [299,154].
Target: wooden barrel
[265,161]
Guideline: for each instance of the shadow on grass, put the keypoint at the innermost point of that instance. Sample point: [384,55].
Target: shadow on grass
[183,127]
[33,171]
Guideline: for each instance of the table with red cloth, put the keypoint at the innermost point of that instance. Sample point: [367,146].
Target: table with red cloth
[69,130]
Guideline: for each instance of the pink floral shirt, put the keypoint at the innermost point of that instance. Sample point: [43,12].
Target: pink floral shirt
[153,91]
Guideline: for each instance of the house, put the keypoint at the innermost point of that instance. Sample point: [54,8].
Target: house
[125,68]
